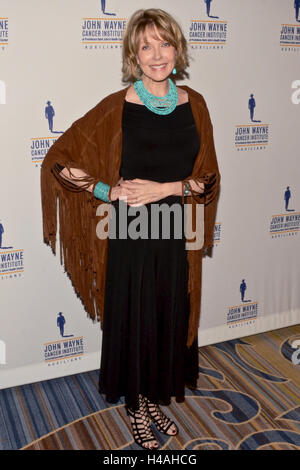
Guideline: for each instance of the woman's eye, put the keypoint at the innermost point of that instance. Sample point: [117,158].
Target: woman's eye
[166,44]
[144,48]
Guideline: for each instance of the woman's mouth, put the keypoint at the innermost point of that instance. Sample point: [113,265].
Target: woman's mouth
[158,67]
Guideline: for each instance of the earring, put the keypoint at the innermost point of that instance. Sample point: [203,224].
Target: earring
[139,69]
[174,71]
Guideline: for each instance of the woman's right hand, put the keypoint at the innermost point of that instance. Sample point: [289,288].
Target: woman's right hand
[117,192]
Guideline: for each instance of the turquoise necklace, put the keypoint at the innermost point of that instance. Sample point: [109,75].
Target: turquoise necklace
[157,104]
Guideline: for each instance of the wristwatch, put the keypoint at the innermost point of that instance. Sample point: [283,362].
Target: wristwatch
[187,188]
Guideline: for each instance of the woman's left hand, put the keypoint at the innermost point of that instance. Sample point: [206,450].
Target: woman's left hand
[143,191]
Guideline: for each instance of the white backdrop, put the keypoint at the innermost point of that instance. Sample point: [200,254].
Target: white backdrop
[68,52]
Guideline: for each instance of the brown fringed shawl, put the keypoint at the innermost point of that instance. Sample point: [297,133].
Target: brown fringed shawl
[94,144]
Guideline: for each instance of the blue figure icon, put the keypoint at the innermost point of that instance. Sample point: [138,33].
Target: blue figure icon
[287,196]
[103,5]
[1,231]
[208,2]
[297,6]
[61,323]
[243,288]
[251,106]
[49,113]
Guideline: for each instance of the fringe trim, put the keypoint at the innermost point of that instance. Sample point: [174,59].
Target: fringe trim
[82,255]
[210,181]
[86,180]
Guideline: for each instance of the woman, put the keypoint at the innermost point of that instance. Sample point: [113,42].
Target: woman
[158,137]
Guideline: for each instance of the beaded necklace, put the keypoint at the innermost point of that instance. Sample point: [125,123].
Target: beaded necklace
[158,104]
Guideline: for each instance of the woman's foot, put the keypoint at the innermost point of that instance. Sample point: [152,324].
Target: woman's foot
[162,422]
[140,421]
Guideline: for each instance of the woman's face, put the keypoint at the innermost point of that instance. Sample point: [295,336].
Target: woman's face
[155,56]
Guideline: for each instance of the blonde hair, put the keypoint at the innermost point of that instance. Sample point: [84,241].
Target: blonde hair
[170,31]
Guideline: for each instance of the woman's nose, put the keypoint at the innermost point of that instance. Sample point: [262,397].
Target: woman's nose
[157,53]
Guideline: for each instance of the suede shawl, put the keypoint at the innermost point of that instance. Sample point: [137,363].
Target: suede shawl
[94,144]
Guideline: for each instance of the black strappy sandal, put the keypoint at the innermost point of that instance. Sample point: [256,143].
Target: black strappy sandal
[161,421]
[142,431]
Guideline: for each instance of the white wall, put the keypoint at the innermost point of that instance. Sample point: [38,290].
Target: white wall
[43,57]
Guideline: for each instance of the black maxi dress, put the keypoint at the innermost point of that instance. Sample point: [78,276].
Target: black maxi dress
[146,306]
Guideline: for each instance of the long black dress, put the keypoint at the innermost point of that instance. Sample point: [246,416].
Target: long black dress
[146,307]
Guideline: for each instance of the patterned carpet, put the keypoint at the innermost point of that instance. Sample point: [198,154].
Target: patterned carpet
[248,397]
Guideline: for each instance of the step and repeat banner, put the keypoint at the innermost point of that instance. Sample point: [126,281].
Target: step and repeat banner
[58,59]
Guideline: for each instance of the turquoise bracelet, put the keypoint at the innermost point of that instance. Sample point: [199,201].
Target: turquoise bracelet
[101,191]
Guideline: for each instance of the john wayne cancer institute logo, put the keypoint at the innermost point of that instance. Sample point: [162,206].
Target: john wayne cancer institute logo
[67,349]
[217,233]
[11,259]
[40,145]
[286,223]
[105,32]
[290,33]
[251,136]
[244,313]
[209,33]
[3,33]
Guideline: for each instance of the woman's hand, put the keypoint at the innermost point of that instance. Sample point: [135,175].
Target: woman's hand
[118,192]
[140,191]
